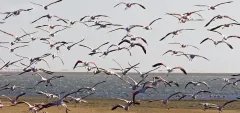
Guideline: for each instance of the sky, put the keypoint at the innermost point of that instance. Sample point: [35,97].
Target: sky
[222,58]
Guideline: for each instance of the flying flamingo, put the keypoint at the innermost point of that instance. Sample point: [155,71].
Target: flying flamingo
[220,108]
[220,17]
[14,101]
[129,5]
[12,49]
[133,45]
[214,7]
[94,50]
[92,18]
[192,56]
[128,29]
[126,108]
[46,6]
[45,16]
[217,42]
[135,38]
[79,99]
[148,27]
[32,108]
[174,33]
[197,84]
[184,45]
[226,37]
[85,64]
[170,69]
[51,26]
[173,52]
[223,26]
[165,101]
[47,81]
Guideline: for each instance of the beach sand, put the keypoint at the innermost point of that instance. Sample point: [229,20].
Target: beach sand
[105,105]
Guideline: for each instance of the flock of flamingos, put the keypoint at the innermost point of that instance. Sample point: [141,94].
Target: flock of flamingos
[133,41]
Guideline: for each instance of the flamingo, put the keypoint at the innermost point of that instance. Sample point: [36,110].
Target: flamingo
[52,34]
[223,26]
[197,84]
[17,38]
[105,53]
[148,27]
[79,99]
[93,87]
[12,88]
[51,26]
[32,108]
[174,33]
[48,95]
[85,64]
[214,7]
[128,29]
[104,25]
[207,105]
[142,90]
[135,38]
[124,70]
[129,5]
[219,17]
[45,16]
[170,69]
[220,108]
[15,13]
[184,45]
[126,108]
[12,49]
[30,34]
[173,52]
[133,45]
[47,81]
[194,96]
[46,6]
[10,63]
[58,102]
[14,101]
[93,17]
[94,50]
[165,101]
[192,56]
[217,42]
[226,37]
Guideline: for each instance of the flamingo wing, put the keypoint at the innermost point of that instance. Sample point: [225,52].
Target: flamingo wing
[223,3]
[117,106]
[54,2]
[206,40]
[36,4]
[165,36]
[128,41]
[182,69]
[143,48]
[20,95]
[230,18]
[213,29]
[213,19]
[229,45]
[154,21]
[116,29]
[229,102]
[158,64]
[138,5]
[120,3]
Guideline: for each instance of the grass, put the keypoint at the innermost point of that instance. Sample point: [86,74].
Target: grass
[105,105]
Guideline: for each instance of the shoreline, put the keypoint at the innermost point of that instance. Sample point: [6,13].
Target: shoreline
[130,73]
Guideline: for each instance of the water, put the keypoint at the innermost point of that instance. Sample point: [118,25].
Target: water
[114,87]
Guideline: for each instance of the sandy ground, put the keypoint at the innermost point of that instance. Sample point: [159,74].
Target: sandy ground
[105,105]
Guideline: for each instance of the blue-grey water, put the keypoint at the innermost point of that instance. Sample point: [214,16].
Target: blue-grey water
[114,87]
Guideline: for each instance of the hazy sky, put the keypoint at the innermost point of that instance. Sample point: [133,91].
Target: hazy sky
[222,59]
